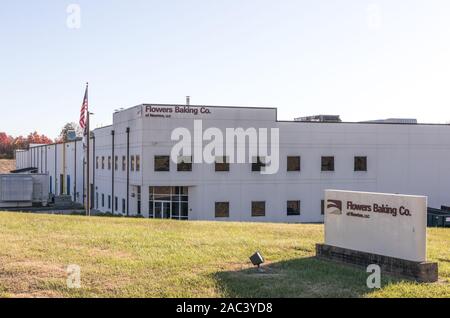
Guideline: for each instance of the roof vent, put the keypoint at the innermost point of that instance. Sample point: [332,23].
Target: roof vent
[321,119]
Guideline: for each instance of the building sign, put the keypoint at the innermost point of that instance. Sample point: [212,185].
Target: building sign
[385,224]
[163,111]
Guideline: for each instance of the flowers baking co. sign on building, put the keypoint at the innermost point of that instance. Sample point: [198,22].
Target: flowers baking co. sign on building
[163,111]
[384,224]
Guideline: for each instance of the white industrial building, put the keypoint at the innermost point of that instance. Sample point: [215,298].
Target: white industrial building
[131,173]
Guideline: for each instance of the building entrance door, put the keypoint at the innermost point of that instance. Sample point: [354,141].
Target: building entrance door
[162,209]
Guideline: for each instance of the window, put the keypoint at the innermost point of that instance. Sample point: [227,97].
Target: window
[322,207]
[124,163]
[116,204]
[258,163]
[184,164]
[103,200]
[258,208]
[222,164]
[138,163]
[68,184]
[293,163]
[116,163]
[162,163]
[103,162]
[360,163]
[293,208]
[132,163]
[109,202]
[139,196]
[123,206]
[109,162]
[175,198]
[222,209]
[327,163]
[96,200]
[96,163]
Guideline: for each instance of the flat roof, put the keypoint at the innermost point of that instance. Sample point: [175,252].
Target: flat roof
[276,116]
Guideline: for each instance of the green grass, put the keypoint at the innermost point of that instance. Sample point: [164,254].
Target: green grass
[122,257]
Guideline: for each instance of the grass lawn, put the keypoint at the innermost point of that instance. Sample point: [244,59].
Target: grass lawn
[145,258]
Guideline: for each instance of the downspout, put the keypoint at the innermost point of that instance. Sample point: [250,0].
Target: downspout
[128,171]
[75,172]
[94,167]
[56,165]
[113,167]
[64,169]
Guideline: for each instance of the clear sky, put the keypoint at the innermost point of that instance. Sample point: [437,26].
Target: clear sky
[360,59]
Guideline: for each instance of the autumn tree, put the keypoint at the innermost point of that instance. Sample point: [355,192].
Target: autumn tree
[63,136]
[9,144]
[35,138]
[6,146]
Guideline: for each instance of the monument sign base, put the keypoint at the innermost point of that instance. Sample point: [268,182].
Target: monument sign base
[422,272]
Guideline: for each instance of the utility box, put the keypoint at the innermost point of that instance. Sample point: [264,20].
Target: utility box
[438,218]
[23,190]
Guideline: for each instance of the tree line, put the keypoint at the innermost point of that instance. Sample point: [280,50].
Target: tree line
[9,144]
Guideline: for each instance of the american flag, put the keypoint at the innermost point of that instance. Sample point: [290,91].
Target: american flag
[84,109]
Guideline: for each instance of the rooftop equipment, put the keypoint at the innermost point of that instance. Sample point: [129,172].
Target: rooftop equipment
[410,121]
[320,119]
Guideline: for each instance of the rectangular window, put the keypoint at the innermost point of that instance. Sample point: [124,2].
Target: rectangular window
[138,163]
[109,162]
[322,207]
[116,163]
[132,163]
[184,211]
[258,163]
[139,197]
[293,208]
[222,209]
[68,184]
[150,208]
[116,204]
[176,198]
[222,164]
[103,200]
[293,163]
[124,163]
[103,162]
[184,164]
[327,163]
[162,163]
[124,206]
[109,202]
[360,163]
[258,208]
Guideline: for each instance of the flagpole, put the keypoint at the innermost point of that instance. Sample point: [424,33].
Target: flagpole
[88,146]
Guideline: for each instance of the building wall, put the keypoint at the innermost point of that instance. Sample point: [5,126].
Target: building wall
[51,160]
[407,159]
